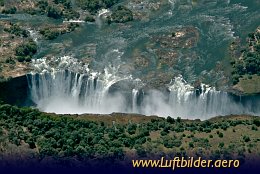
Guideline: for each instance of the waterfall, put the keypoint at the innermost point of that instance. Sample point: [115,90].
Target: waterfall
[69,92]
[103,13]
[184,101]
[134,100]
[66,86]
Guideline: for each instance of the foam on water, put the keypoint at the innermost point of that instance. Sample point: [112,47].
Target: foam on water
[66,85]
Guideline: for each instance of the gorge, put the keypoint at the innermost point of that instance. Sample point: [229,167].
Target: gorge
[62,90]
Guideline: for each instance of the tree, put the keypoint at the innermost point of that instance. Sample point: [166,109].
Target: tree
[246,138]
[141,151]
[170,120]
[131,129]
[221,145]
[109,3]
[220,135]
[2,3]
[121,15]
[49,34]
[178,120]
[54,12]
[11,10]
[89,18]
[256,121]
[118,153]
[26,51]
[191,145]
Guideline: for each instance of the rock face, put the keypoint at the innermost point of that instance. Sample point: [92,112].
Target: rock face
[15,91]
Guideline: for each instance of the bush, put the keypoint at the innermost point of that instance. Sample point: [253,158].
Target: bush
[49,34]
[73,26]
[178,120]
[24,52]
[177,143]
[254,128]
[256,122]
[16,30]
[246,138]
[32,11]
[121,15]
[10,60]
[94,5]
[141,152]
[171,142]
[191,145]
[221,145]
[21,59]
[54,12]
[2,3]
[163,133]
[43,4]
[11,10]
[70,14]
[170,120]
[220,135]
[109,3]
[89,18]
[235,78]
[131,129]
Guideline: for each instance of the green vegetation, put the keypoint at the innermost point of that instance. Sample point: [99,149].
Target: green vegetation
[249,63]
[17,30]
[58,9]
[49,34]
[89,18]
[94,5]
[54,12]
[246,138]
[70,14]
[85,138]
[10,60]
[53,33]
[25,51]
[221,145]
[11,10]
[2,2]
[121,15]
[42,5]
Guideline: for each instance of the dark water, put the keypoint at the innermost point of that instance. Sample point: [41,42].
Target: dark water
[219,22]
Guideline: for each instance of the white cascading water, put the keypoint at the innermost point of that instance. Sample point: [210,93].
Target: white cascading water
[182,94]
[184,101]
[65,85]
[59,89]
[134,100]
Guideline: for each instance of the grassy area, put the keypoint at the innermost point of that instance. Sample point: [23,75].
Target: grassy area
[249,84]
